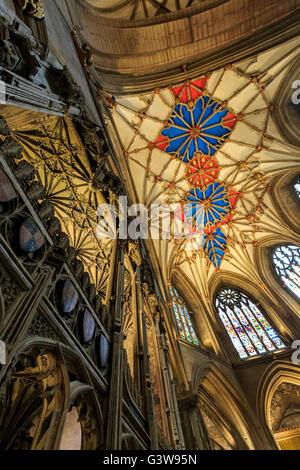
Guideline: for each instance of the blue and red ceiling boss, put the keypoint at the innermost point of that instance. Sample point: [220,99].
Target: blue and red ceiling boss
[197,128]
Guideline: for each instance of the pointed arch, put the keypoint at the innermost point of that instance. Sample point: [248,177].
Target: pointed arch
[65,383]
[201,318]
[223,402]
[249,330]
[271,307]
[287,312]
[184,322]
[281,376]
[286,262]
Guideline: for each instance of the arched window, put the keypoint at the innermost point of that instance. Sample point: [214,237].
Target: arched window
[248,329]
[186,329]
[286,259]
[297,186]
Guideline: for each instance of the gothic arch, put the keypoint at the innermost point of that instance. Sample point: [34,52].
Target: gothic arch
[289,309]
[275,378]
[286,112]
[42,368]
[273,310]
[191,294]
[221,397]
[217,428]
[284,199]
[70,387]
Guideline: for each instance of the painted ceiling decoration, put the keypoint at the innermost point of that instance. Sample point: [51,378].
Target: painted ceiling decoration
[210,142]
[197,128]
[139,9]
[52,145]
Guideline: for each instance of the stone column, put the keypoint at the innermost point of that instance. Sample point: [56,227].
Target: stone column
[172,408]
[114,424]
[196,437]
[144,361]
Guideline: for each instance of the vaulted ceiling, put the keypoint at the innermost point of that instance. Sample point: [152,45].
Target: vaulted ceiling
[64,165]
[138,44]
[137,9]
[211,142]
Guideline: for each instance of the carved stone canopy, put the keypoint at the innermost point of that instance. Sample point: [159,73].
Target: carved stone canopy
[134,254]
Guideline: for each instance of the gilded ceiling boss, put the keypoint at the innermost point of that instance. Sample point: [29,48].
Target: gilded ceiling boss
[111,340]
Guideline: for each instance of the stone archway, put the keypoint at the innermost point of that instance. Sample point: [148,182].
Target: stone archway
[34,402]
[278,404]
[285,416]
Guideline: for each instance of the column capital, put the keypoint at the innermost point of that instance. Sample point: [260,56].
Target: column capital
[188,401]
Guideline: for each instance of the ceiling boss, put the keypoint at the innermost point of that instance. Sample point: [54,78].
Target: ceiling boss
[198,127]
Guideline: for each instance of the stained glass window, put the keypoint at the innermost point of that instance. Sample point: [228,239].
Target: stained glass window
[185,326]
[297,186]
[286,259]
[247,327]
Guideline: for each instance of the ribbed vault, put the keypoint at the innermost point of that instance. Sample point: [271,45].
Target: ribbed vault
[211,142]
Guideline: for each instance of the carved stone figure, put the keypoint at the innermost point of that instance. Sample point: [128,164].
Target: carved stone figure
[134,254]
[127,313]
[150,299]
[86,56]
[34,8]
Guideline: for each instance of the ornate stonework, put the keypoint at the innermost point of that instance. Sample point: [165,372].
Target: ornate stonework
[34,8]
[162,101]
[135,10]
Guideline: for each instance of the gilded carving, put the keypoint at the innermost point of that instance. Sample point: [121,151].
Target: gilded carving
[34,8]
[53,147]
[86,56]
[134,253]
[20,400]
[127,313]
[150,299]
[48,372]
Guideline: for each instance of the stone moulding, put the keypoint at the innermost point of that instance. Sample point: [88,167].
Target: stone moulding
[204,40]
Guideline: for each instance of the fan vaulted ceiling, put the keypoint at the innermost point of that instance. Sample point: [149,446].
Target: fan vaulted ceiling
[52,145]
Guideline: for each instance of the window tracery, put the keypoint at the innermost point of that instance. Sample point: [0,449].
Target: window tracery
[286,260]
[247,327]
[297,187]
[185,326]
